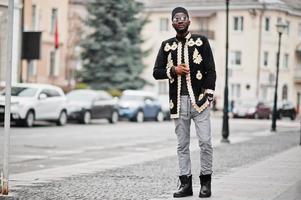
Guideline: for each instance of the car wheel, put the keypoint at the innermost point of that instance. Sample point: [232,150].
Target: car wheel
[293,116]
[139,117]
[29,119]
[114,117]
[86,118]
[160,116]
[62,120]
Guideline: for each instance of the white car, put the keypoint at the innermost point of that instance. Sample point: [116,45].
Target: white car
[30,102]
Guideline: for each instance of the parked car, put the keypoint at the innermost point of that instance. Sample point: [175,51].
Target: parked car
[31,102]
[251,109]
[85,105]
[286,109]
[164,100]
[140,105]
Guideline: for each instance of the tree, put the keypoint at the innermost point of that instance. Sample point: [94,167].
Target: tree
[112,53]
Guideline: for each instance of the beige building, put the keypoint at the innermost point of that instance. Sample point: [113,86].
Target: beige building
[41,16]
[253,42]
[16,39]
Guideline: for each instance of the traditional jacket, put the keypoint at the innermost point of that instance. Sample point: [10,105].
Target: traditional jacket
[196,53]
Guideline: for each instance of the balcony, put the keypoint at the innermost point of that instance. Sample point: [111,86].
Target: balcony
[208,33]
[297,76]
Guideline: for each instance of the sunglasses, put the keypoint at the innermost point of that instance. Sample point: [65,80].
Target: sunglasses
[178,19]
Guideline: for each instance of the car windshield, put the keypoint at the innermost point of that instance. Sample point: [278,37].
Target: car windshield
[131,98]
[22,91]
[81,96]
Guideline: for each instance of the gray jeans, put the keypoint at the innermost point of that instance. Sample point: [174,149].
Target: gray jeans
[203,132]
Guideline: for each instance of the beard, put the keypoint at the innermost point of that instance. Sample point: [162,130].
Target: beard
[181,31]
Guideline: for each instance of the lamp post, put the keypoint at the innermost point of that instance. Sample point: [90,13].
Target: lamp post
[225,128]
[4,179]
[280,29]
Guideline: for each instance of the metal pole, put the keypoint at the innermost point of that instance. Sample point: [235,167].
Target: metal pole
[225,129]
[274,118]
[10,23]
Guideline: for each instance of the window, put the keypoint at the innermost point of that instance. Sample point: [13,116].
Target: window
[164,23]
[264,92]
[287,27]
[235,91]
[279,19]
[285,61]
[34,17]
[53,20]
[284,92]
[53,93]
[163,87]
[32,68]
[238,23]
[267,24]
[52,64]
[265,58]
[50,93]
[235,58]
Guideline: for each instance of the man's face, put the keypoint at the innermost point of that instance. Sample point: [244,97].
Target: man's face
[180,22]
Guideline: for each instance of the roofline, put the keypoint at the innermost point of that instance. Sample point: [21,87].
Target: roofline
[261,6]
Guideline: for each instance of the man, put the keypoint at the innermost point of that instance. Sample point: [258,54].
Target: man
[187,61]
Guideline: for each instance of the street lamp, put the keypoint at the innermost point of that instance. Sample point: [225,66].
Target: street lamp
[280,29]
[225,128]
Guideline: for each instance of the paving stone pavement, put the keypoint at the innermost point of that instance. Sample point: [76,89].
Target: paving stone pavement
[158,179]
[275,178]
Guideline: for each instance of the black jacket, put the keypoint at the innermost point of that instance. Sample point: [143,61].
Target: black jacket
[195,52]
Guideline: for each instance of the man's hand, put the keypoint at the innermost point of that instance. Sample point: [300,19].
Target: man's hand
[182,69]
[206,97]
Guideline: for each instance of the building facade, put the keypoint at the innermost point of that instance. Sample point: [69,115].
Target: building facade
[16,40]
[77,32]
[253,42]
[49,17]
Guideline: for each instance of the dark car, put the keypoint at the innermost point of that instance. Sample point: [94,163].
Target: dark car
[252,109]
[84,105]
[286,109]
[139,106]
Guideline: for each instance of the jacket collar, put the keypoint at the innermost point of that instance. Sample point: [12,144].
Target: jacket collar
[186,37]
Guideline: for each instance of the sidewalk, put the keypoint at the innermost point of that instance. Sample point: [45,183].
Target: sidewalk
[276,178]
[263,167]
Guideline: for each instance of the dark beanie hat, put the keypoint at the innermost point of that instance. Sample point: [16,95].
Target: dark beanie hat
[178,10]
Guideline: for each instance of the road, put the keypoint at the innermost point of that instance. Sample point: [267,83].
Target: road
[47,146]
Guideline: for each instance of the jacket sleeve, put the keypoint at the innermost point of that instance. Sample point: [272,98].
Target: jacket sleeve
[160,71]
[210,77]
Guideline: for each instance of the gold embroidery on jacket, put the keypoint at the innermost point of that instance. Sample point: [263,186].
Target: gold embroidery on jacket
[197,58]
[174,46]
[171,105]
[191,42]
[199,75]
[201,96]
[169,61]
[168,67]
[198,42]
[167,47]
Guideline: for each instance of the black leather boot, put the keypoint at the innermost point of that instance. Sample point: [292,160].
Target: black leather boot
[205,186]
[185,188]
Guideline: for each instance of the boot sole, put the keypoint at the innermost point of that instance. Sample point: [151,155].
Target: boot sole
[205,196]
[179,196]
